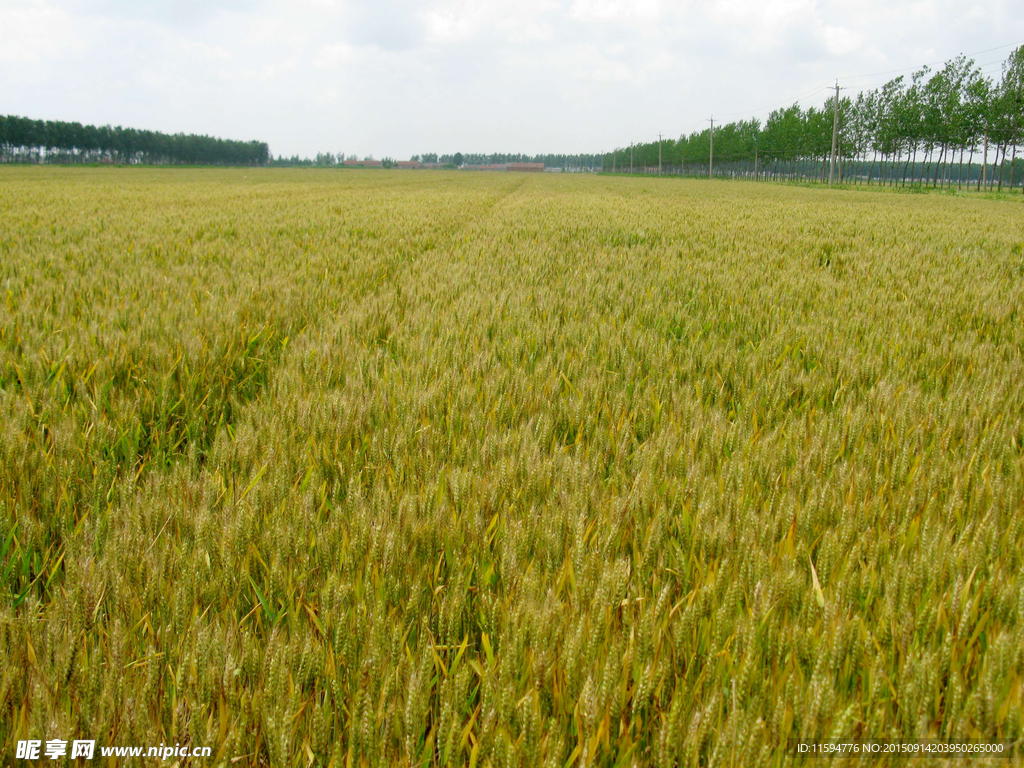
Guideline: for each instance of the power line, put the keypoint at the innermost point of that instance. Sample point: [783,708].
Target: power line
[872,86]
[859,88]
[805,95]
[930,64]
[785,103]
[995,66]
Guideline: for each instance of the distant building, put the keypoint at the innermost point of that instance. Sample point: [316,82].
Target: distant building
[363,163]
[531,167]
[408,164]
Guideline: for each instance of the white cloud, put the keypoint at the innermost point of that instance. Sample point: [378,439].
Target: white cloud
[35,31]
[617,11]
[454,23]
[334,56]
[841,41]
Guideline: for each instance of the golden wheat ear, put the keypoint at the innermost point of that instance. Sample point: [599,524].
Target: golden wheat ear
[370,469]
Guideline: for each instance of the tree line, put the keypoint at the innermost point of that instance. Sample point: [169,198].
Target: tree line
[453,160]
[939,127]
[24,140]
[551,160]
[55,141]
[325,160]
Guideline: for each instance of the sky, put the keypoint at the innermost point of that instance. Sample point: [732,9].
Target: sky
[394,78]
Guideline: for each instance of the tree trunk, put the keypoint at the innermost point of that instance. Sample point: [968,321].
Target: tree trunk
[1013,163]
[984,162]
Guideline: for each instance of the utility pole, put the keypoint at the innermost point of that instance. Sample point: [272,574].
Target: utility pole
[835,137]
[630,159]
[659,154]
[755,162]
[711,151]
[614,155]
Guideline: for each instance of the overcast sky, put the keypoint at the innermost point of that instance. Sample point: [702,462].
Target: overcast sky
[396,77]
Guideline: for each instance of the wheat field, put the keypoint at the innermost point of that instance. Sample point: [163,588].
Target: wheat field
[328,468]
